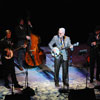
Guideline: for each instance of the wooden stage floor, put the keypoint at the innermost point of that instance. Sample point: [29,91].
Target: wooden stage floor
[41,80]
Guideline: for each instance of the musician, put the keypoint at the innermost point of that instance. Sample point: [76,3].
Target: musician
[7,59]
[22,37]
[94,43]
[63,43]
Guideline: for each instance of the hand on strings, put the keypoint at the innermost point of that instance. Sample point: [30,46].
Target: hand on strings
[21,68]
[25,45]
[8,52]
[54,50]
[71,46]
[28,37]
[93,44]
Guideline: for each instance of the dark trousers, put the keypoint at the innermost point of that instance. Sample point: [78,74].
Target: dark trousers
[21,57]
[21,53]
[94,60]
[57,64]
[9,69]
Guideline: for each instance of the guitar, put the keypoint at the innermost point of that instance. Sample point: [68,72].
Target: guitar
[10,52]
[58,51]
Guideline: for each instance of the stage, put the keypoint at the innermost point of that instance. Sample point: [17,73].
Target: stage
[41,79]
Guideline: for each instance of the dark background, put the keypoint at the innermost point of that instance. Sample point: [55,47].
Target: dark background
[79,18]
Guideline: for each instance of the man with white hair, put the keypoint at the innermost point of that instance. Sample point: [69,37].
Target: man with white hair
[62,42]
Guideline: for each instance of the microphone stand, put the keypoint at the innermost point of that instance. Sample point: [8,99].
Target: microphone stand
[12,89]
[83,52]
[26,79]
[28,91]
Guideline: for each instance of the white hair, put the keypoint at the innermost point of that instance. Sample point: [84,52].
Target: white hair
[62,30]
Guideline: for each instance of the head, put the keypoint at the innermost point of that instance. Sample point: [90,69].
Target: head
[29,22]
[61,32]
[21,22]
[8,34]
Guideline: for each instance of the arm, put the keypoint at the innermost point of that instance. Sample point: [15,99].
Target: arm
[52,42]
[91,40]
[68,44]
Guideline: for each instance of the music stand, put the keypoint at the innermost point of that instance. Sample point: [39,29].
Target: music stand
[83,52]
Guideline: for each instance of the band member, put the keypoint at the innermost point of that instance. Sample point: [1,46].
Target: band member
[63,43]
[94,43]
[7,59]
[22,37]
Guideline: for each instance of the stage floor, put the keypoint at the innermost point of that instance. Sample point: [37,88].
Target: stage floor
[41,80]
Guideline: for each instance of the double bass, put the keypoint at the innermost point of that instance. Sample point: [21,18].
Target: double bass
[34,55]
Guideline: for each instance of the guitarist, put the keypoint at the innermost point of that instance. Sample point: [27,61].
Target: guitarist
[6,47]
[63,43]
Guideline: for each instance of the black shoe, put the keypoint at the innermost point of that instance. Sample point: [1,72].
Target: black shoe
[7,86]
[57,84]
[97,87]
[91,80]
[18,86]
[98,79]
[66,84]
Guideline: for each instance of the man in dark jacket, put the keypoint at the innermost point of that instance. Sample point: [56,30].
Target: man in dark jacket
[22,37]
[94,43]
[7,59]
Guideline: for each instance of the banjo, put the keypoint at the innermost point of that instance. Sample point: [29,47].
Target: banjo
[58,51]
[10,52]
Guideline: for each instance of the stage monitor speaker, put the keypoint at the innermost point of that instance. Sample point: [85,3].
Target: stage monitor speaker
[82,94]
[17,97]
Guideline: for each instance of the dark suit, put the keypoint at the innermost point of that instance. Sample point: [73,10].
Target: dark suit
[8,64]
[94,56]
[21,32]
